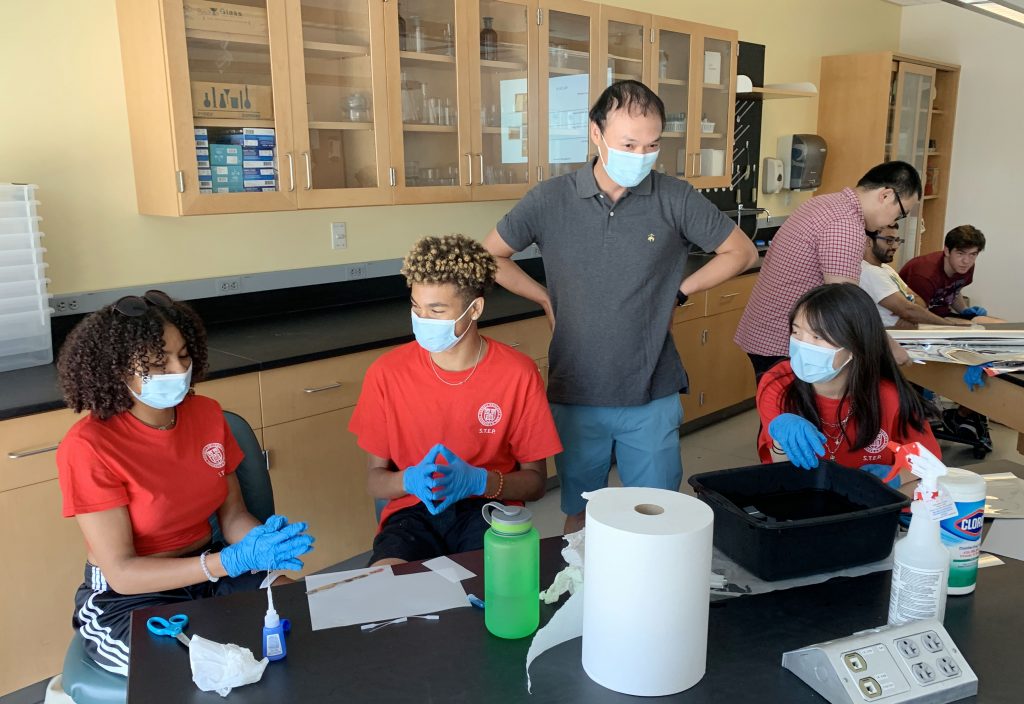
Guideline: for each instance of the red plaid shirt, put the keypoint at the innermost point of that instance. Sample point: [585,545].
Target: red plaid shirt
[823,236]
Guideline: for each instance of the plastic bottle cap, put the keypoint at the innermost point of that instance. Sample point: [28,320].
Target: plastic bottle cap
[271,620]
[509,520]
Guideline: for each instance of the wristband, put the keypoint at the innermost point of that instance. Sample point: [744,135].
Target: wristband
[501,486]
[681,298]
[206,570]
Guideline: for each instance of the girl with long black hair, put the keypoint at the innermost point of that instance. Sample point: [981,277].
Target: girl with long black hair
[840,394]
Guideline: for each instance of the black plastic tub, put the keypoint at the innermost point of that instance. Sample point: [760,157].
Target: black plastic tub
[779,521]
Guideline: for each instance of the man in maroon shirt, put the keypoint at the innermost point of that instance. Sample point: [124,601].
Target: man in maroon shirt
[940,277]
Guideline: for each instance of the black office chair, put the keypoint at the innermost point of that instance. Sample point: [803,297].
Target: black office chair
[88,683]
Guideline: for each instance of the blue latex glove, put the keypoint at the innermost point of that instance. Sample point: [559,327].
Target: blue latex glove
[799,439]
[419,480]
[974,377]
[275,545]
[882,471]
[460,479]
[973,311]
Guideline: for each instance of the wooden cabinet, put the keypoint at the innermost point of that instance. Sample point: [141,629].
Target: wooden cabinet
[29,446]
[882,106]
[238,394]
[719,371]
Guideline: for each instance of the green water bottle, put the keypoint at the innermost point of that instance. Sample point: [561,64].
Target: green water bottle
[511,571]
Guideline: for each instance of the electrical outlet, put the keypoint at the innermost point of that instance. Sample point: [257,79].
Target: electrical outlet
[64,305]
[339,236]
[948,666]
[932,642]
[923,672]
[228,285]
[357,271]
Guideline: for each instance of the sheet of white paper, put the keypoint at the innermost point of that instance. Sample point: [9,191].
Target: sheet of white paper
[450,567]
[566,624]
[986,560]
[1005,538]
[1005,495]
[379,598]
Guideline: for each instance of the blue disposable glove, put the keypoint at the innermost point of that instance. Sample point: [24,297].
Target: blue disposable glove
[974,377]
[460,479]
[799,439]
[419,480]
[275,545]
[882,471]
[973,311]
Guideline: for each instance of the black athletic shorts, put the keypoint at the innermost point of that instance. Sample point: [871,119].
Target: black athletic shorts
[413,534]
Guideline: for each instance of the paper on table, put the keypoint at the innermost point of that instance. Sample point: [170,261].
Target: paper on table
[566,624]
[382,597]
[1005,538]
[446,566]
[1005,495]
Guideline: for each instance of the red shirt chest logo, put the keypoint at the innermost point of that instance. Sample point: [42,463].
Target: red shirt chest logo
[213,455]
[489,414]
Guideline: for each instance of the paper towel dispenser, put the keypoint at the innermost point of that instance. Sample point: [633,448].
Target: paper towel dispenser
[803,161]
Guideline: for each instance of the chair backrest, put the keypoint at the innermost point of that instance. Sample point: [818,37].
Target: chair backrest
[252,473]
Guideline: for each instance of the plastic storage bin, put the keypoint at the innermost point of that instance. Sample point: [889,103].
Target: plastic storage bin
[24,303]
[779,521]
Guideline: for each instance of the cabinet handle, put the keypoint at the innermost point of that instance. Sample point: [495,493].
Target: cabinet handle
[266,459]
[704,336]
[318,389]
[515,344]
[29,453]
[540,174]
[469,167]
[480,160]
[727,296]
[180,176]
[309,170]
[696,161]
[687,305]
[392,179]
[291,172]
[700,399]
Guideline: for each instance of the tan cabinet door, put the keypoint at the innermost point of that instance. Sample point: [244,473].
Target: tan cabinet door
[29,444]
[691,342]
[238,394]
[730,377]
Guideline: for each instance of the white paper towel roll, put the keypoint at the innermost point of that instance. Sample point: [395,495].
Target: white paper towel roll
[645,601]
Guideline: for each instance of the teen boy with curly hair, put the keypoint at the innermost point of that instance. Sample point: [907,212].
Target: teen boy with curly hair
[452,420]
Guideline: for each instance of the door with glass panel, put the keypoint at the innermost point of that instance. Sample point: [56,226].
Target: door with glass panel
[625,36]
[710,128]
[909,120]
[340,102]
[672,49]
[502,80]
[429,117]
[568,69]
[231,107]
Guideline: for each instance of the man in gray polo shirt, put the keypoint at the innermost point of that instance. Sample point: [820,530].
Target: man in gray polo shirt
[614,237]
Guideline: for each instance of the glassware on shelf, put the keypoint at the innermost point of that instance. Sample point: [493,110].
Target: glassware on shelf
[448,37]
[412,99]
[357,108]
[402,32]
[448,111]
[434,109]
[663,65]
[559,55]
[416,34]
[488,41]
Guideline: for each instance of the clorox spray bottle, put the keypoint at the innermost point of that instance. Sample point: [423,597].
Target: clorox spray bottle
[920,568]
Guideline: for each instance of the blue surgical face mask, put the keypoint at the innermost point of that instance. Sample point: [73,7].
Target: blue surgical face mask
[812,363]
[437,335]
[164,390]
[625,168]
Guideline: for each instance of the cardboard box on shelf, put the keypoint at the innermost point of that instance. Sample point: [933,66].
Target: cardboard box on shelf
[225,17]
[713,67]
[225,154]
[246,101]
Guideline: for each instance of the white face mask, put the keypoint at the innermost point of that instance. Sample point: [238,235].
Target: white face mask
[626,168]
[438,335]
[164,390]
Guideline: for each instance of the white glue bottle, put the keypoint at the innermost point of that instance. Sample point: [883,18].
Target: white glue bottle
[961,534]
[920,567]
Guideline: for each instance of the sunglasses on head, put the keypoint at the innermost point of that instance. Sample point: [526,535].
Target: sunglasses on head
[134,306]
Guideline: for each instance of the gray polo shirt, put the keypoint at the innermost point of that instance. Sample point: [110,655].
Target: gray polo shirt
[612,273]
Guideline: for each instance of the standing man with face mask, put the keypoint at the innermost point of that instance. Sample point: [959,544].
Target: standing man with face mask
[452,420]
[614,237]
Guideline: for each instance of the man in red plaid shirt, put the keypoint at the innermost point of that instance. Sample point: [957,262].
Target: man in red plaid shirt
[822,242]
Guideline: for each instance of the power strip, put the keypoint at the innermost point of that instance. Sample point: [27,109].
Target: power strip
[915,662]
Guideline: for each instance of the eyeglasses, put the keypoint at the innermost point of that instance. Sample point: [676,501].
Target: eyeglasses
[903,211]
[134,306]
[888,240]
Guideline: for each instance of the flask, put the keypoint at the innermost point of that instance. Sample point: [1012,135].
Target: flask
[961,534]
[511,571]
[402,33]
[488,41]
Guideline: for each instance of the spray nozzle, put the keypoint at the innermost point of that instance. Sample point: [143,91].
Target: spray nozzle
[922,463]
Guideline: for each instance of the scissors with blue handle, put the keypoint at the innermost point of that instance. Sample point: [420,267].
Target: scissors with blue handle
[169,627]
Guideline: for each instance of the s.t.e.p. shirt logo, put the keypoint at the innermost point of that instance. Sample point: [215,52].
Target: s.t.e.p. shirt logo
[213,455]
[489,416]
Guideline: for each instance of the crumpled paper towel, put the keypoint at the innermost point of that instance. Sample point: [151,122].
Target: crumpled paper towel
[221,666]
[570,579]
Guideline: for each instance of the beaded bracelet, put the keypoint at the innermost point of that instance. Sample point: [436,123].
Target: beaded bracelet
[501,486]
[206,570]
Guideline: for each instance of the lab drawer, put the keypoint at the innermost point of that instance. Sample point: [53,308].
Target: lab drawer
[692,309]
[238,394]
[29,445]
[531,337]
[732,295]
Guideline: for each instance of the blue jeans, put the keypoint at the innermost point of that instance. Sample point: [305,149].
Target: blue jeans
[645,440]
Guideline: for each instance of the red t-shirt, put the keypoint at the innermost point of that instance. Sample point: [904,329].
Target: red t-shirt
[171,481]
[926,276]
[769,405]
[499,418]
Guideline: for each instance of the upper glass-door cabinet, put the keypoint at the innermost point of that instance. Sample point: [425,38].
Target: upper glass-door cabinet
[229,89]
[710,126]
[568,59]
[909,121]
[625,36]
[340,102]
[672,50]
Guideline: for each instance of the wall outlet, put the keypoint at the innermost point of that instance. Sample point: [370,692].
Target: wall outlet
[65,305]
[339,236]
[356,271]
[228,285]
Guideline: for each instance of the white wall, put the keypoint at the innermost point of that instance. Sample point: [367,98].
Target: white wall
[987,172]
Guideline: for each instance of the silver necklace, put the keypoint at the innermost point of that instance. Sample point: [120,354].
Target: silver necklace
[479,354]
[166,426]
[838,439]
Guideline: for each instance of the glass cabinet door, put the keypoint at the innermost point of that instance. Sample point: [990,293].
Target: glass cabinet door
[429,108]
[711,130]
[501,105]
[672,50]
[624,41]
[908,138]
[567,41]
[340,102]
[240,150]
